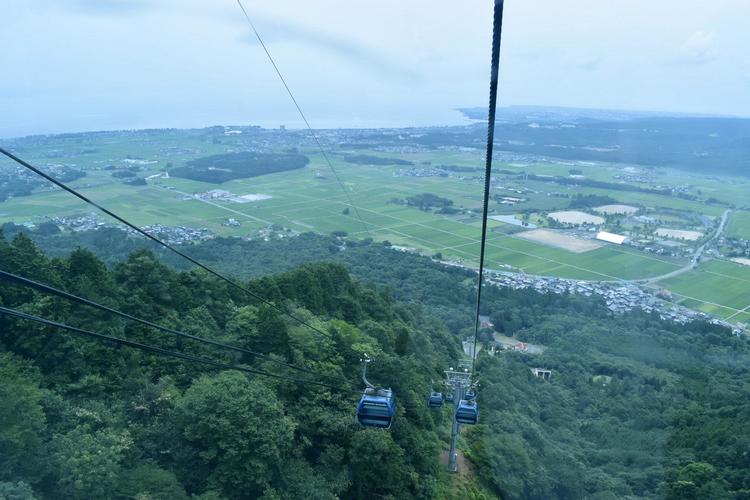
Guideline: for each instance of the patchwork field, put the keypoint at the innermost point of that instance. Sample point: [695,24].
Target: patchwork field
[717,287]
[311,198]
[608,263]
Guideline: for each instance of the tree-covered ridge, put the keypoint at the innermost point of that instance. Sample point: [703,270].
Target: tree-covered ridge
[636,408]
[84,420]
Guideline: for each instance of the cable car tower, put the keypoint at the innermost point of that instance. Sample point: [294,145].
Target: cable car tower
[460,381]
[467,409]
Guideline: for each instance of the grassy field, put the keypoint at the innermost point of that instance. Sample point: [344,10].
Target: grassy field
[716,287]
[739,225]
[303,201]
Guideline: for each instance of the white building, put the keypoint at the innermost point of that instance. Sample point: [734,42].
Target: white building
[617,239]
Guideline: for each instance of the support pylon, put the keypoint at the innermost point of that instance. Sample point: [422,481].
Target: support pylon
[459,381]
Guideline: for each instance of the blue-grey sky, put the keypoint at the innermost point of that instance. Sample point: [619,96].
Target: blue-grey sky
[74,65]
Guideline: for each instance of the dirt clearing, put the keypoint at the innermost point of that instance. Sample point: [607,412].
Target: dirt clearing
[616,209]
[575,217]
[559,240]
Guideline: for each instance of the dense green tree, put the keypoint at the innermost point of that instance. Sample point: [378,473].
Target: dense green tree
[272,333]
[16,491]
[698,480]
[150,482]
[22,420]
[300,480]
[88,463]
[239,432]
[379,467]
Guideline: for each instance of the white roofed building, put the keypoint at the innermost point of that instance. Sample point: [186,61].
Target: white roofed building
[617,239]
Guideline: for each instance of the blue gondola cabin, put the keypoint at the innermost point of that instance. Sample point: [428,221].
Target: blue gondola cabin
[376,408]
[436,400]
[467,412]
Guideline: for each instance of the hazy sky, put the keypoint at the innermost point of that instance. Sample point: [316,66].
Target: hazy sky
[73,65]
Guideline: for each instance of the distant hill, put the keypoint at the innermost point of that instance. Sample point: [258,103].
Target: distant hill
[521,114]
[710,145]
[230,166]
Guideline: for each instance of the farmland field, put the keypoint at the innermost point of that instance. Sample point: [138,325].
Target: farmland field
[310,199]
[739,225]
[370,199]
[718,287]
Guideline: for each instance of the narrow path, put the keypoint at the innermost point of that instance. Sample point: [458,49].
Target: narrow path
[745,310]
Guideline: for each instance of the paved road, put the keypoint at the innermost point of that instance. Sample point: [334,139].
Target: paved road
[696,257]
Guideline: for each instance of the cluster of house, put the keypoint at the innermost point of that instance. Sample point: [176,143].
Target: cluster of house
[620,298]
[231,222]
[214,194]
[634,178]
[79,222]
[665,248]
[421,172]
[271,232]
[734,246]
[177,235]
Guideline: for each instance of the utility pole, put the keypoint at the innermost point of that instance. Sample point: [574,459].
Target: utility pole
[459,381]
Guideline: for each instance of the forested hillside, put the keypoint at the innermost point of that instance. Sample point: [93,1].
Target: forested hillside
[83,420]
[636,407]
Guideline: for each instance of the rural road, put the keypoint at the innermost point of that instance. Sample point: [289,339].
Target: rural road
[696,257]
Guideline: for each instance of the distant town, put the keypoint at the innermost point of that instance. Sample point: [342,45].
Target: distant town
[620,298]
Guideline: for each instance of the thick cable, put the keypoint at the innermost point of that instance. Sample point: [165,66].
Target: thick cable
[304,118]
[41,287]
[497,27]
[169,247]
[163,352]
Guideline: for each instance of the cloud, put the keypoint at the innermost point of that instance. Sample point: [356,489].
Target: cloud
[102,7]
[590,64]
[535,54]
[528,55]
[746,71]
[697,49]
[346,49]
